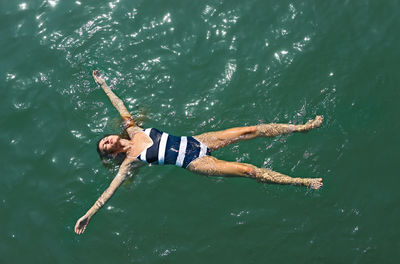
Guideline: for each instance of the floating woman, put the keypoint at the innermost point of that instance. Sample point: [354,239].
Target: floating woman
[152,146]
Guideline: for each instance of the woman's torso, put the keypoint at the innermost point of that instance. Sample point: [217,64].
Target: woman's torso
[170,149]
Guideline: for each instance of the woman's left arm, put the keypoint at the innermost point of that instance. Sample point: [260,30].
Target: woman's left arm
[82,222]
[115,100]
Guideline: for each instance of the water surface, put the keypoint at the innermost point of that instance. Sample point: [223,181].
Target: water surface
[192,67]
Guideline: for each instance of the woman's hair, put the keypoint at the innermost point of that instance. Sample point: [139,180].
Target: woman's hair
[107,157]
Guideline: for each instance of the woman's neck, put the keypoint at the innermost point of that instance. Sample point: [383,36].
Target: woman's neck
[125,145]
[124,142]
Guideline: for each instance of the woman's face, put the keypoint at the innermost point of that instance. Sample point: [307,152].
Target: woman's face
[109,144]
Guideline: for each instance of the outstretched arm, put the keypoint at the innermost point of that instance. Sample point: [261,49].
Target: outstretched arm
[115,100]
[82,222]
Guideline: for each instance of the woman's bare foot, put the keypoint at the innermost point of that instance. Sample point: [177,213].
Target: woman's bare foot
[314,183]
[311,124]
[269,176]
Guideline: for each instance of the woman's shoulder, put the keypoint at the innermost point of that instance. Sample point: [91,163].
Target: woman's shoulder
[133,130]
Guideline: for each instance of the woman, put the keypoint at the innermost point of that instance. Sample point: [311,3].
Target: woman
[151,146]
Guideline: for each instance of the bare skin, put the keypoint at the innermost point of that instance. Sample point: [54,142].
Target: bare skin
[115,144]
[216,140]
[207,165]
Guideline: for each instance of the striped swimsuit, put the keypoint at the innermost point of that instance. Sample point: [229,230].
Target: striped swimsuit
[169,149]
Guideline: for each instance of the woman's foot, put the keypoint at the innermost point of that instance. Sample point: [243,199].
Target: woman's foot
[313,183]
[270,176]
[311,124]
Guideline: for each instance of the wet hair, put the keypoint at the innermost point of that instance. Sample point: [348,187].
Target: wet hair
[107,158]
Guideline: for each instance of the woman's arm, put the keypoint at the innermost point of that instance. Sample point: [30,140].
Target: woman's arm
[117,103]
[82,222]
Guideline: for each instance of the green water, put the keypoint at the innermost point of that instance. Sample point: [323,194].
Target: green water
[193,67]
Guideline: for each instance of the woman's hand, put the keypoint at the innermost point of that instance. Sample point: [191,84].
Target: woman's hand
[81,224]
[97,78]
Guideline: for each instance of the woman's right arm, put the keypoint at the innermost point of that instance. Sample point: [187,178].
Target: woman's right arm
[117,102]
[82,222]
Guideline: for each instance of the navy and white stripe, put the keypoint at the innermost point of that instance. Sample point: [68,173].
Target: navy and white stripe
[169,149]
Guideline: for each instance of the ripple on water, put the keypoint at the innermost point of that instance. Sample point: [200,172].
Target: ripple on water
[163,252]
[240,217]
[10,76]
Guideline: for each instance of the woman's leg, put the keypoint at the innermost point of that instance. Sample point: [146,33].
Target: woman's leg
[219,139]
[214,167]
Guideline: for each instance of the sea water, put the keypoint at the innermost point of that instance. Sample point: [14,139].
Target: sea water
[189,67]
